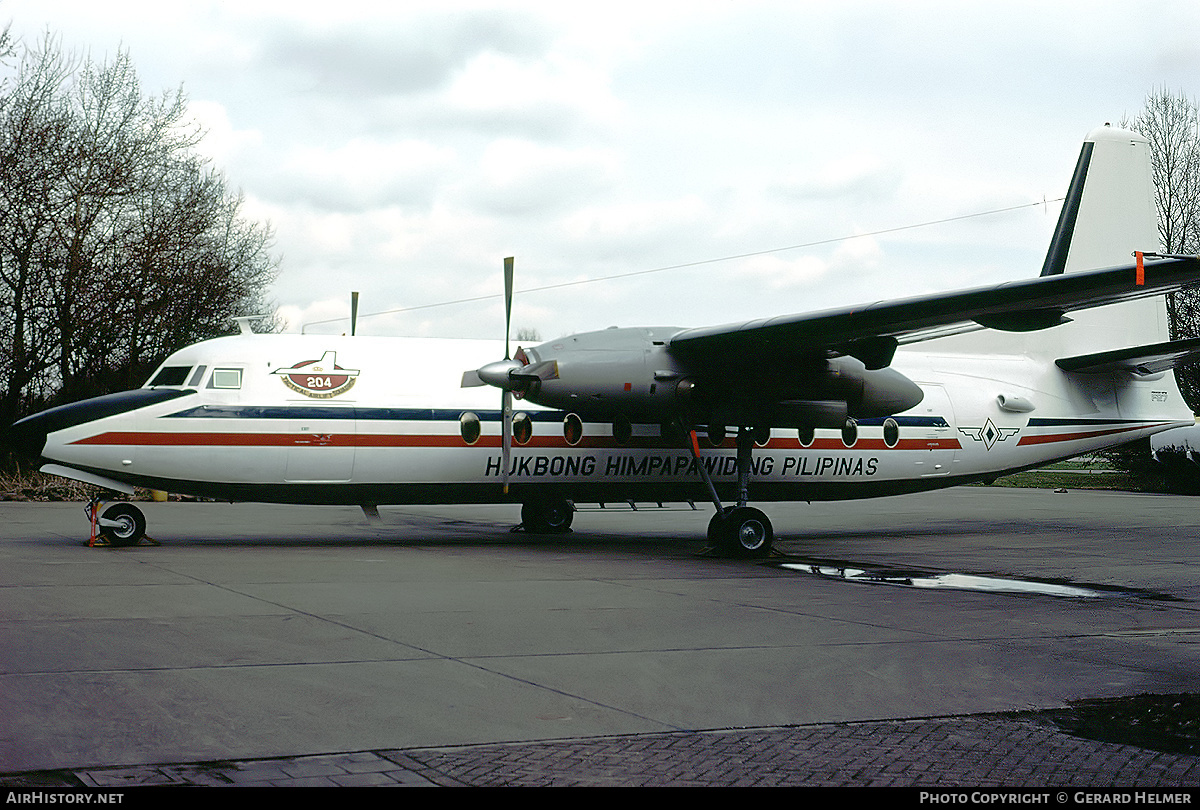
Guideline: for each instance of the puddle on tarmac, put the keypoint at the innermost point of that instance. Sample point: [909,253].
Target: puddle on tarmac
[969,582]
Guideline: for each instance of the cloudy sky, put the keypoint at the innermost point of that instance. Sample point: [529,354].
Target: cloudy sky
[723,160]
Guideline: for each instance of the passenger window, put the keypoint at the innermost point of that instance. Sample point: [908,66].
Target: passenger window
[850,433]
[891,432]
[522,428]
[469,427]
[572,429]
[226,378]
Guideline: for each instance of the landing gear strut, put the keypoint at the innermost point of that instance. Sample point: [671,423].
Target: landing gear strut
[736,531]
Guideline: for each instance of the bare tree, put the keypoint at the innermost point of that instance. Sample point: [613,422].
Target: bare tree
[118,243]
[34,152]
[1171,123]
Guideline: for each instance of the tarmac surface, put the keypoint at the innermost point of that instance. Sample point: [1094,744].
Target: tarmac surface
[273,645]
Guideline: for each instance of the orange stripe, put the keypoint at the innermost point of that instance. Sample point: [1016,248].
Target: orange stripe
[1072,437]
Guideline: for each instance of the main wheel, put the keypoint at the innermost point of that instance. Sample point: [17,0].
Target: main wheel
[547,515]
[129,528]
[741,531]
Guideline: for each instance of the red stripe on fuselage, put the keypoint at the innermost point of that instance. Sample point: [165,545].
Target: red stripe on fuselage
[1073,437]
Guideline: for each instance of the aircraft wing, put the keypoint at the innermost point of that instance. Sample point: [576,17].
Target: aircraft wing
[872,332]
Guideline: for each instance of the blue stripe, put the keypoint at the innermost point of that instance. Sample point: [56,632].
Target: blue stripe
[348,413]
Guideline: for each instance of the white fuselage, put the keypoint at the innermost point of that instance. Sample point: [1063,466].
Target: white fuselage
[269,418]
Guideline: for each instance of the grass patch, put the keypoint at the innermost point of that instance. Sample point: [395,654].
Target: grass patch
[1168,723]
[1054,479]
[1074,473]
[33,485]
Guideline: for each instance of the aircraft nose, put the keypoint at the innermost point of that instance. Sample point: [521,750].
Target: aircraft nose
[27,436]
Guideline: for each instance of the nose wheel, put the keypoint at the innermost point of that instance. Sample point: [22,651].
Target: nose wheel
[121,524]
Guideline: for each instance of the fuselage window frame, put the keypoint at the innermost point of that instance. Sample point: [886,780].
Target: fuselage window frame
[469,427]
[197,376]
[226,379]
[850,433]
[572,429]
[891,432]
[522,428]
[171,376]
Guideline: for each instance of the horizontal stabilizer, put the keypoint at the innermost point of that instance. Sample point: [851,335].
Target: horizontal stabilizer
[1137,360]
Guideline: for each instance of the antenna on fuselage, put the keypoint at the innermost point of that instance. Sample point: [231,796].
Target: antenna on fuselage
[353,311]
[244,321]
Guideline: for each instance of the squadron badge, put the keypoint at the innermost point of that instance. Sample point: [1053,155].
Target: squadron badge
[319,379]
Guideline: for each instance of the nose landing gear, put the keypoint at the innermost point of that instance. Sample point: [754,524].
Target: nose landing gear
[121,524]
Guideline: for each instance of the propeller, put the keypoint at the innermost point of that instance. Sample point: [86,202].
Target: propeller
[513,376]
[506,392]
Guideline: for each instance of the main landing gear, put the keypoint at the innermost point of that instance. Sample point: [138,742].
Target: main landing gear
[547,515]
[741,531]
[736,531]
[121,524]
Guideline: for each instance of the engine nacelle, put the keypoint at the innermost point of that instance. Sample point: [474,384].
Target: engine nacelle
[822,395]
[877,392]
[630,373]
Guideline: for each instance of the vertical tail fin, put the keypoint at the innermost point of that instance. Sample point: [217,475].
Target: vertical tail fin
[1109,211]
[1108,214]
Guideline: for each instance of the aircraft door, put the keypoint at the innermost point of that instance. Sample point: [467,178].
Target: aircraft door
[322,448]
[936,434]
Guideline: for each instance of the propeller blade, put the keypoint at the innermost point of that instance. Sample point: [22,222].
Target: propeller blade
[506,394]
[508,296]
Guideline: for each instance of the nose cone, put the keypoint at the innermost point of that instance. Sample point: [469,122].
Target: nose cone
[27,436]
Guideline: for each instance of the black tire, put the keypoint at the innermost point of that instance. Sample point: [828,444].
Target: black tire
[716,527]
[547,516]
[741,531]
[131,528]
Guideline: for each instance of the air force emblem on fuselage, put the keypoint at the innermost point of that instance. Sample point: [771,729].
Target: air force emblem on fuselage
[319,379]
[989,434]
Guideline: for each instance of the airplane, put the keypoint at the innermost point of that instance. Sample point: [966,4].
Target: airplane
[884,399]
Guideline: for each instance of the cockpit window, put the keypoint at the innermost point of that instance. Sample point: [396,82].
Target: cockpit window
[226,378]
[197,376]
[171,375]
